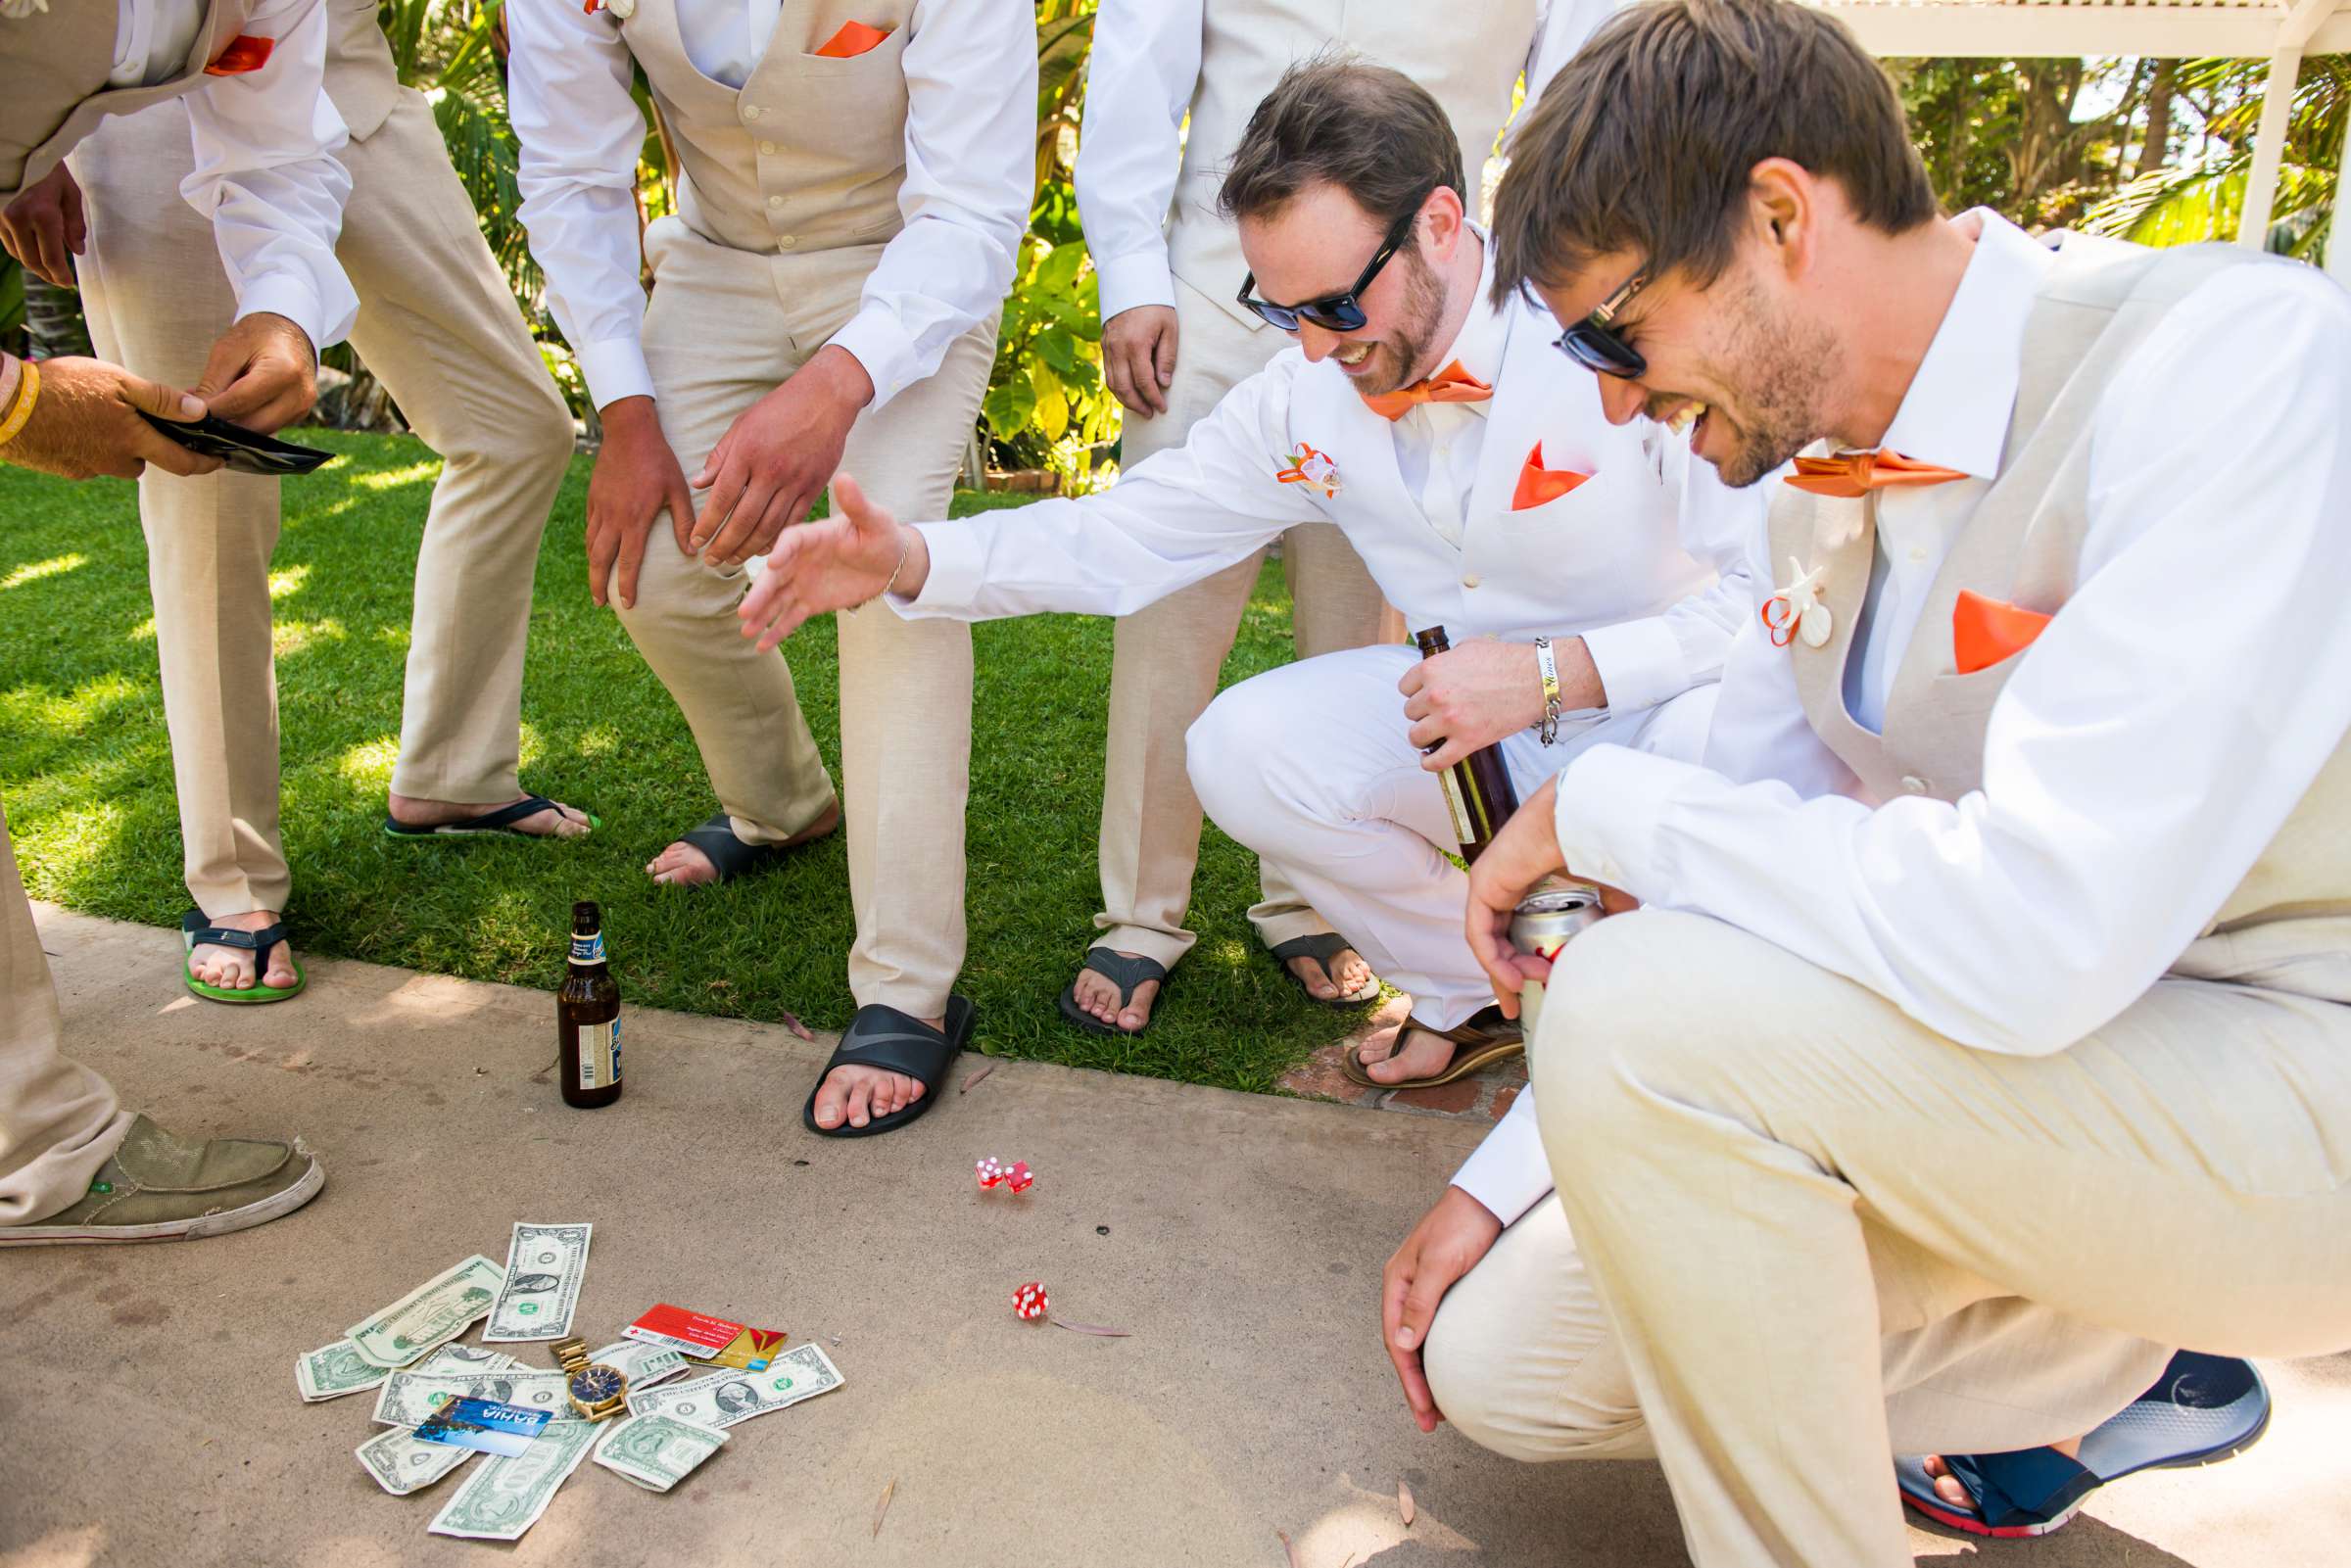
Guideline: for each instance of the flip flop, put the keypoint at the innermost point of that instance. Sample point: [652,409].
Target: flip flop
[195,933]
[896,1042]
[1322,949]
[2203,1410]
[1485,1036]
[731,857]
[1121,972]
[498,824]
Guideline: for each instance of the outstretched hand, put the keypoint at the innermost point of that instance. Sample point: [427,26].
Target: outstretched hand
[837,564]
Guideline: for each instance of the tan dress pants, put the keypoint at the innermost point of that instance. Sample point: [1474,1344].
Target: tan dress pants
[439,327]
[1166,658]
[1797,1232]
[58,1119]
[724,328]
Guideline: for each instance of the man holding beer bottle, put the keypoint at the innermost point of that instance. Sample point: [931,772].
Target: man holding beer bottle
[1468,462]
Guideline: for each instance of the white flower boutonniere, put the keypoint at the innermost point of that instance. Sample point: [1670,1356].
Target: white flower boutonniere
[1311,469]
[18,10]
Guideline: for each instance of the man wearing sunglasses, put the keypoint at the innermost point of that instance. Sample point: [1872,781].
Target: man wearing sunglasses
[1472,468]
[1174,340]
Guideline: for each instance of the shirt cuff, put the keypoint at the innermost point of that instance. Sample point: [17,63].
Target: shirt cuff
[1508,1172]
[1610,806]
[881,346]
[615,368]
[1137,278]
[1640,663]
[956,562]
[298,301]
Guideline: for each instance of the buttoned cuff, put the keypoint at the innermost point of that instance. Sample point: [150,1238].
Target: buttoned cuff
[1135,279]
[1640,663]
[956,568]
[1508,1172]
[1611,804]
[615,368]
[299,302]
[881,346]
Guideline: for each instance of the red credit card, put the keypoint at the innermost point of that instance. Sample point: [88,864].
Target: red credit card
[706,1338]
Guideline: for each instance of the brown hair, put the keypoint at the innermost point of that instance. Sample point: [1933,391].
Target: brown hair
[1645,140]
[1374,133]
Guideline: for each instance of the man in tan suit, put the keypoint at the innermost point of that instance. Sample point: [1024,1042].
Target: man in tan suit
[1176,338]
[1986,1033]
[437,325]
[853,183]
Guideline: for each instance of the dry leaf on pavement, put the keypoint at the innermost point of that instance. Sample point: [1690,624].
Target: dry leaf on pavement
[1287,1550]
[976,1077]
[883,1508]
[1404,1502]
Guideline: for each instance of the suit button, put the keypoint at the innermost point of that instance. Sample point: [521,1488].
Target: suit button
[1471,581]
[1914,783]
[775,200]
[750,111]
[767,149]
[788,242]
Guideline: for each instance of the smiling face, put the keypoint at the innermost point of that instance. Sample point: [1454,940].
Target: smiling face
[1736,363]
[1318,243]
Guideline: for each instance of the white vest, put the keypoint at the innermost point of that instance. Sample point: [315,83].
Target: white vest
[1467,56]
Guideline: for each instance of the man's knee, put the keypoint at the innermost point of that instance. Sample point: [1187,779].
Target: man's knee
[1231,752]
[1501,1392]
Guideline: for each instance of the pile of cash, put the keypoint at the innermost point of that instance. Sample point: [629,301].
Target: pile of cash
[408,1354]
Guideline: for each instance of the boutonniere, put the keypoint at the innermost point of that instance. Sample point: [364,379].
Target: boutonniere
[622,10]
[18,10]
[1310,467]
[1796,610]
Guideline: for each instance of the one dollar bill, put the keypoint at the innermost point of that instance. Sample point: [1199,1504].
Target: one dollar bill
[505,1497]
[401,1462]
[643,1364]
[545,1268]
[656,1451]
[430,1316]
[723,1399]
[410,1399]
[333,1371]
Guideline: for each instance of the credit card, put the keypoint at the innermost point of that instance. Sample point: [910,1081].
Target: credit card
[715,1341]
[246,451]
[483,1424]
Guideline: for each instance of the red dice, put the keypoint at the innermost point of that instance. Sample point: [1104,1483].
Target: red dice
[1029,1303]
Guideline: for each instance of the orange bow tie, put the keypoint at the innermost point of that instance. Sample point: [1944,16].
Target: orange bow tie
[1452,384]
[1852,474]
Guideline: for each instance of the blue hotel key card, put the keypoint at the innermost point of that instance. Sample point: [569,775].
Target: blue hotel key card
[483,1424]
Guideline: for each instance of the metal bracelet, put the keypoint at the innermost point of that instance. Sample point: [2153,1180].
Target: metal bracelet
[1546,662]
[904,546]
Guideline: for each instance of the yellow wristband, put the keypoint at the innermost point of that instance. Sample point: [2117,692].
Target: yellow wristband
[21,410]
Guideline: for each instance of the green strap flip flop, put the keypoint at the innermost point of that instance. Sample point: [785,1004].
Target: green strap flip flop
[194,932]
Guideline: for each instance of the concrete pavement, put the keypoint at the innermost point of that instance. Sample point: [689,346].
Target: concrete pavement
[148,1414]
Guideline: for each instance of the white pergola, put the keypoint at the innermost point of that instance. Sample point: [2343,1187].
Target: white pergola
[2281,31]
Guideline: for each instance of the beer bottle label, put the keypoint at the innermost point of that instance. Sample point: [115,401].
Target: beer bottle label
[589,949]
[1463,831]
[599,1055]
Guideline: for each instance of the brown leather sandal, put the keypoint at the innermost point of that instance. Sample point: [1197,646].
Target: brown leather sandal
[1485,1036]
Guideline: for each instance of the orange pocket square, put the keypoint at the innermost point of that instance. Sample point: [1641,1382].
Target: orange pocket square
[245,53]
[1986,631]
[854,39]
[1538,483]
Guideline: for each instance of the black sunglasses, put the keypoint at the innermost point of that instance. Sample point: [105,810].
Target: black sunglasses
[1595,343]
[1336,312]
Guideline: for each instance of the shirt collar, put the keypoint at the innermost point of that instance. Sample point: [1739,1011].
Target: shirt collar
[1956,411]
[1487,331]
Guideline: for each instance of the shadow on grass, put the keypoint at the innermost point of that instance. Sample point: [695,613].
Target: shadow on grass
[86,770]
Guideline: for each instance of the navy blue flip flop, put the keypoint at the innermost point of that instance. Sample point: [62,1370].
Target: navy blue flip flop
[2203,1410]
[497,824]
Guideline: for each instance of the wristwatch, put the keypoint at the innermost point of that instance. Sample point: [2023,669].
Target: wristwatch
[597,1392]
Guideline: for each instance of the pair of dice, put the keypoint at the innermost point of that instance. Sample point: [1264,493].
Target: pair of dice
[994,1173]
[1030,1304]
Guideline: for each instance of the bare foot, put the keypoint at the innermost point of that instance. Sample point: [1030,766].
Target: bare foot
[1421,1052]
[862,1094]
[1954,1491]
[561,822]
[684,866]
[230,968]
[1347,967]
[1098,994]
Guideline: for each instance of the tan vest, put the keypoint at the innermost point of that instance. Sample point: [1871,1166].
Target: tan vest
[1467,56]
[53,70]
[361,78]
[2289,924]
[810,155]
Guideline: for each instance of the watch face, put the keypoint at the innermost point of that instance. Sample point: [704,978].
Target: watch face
[596,1384]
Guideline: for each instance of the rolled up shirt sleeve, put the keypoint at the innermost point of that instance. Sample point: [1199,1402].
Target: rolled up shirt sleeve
[267,177]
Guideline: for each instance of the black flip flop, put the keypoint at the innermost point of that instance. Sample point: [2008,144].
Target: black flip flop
[498,824]
[1121,972]
[1322,948]
[730,856]
[895,1042]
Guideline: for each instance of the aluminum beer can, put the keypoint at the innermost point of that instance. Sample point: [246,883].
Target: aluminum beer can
[1548,917]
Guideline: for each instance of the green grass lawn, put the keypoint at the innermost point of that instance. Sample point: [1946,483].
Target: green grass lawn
[86,770]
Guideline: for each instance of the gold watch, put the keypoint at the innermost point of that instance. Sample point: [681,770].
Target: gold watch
[597,1392]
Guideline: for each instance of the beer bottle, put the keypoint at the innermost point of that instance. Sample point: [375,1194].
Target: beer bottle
[1477,788]
[588,1018]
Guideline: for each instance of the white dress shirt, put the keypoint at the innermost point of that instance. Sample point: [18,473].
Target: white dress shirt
[970,149]
[2150,746]
[1139,82]
[266,172]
